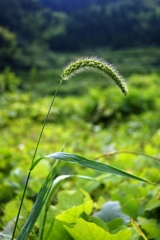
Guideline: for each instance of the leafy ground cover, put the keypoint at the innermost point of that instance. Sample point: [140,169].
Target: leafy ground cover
[98,124]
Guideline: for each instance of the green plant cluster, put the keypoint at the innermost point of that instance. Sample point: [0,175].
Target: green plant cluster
[95,106]
[99,122]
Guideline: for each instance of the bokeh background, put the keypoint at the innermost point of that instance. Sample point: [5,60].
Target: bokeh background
[89,117]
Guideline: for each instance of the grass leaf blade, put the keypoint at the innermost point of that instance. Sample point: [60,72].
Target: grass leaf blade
[72,158]
[40,201]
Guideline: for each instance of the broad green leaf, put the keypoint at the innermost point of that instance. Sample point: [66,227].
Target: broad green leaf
[85,230]
[111,210]
[72,158]
[54,229]
[135,192]
[115,224]
[150,226]
[41,170]
[71,215]
[66,199]
[154,203]
[99,222]
[57,232]
[11,209]
[70,198]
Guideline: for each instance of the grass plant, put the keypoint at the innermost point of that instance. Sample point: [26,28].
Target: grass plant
[47,190]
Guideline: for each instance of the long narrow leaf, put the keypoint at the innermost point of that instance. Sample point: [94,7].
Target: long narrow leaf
[46,187]
[40,201]
[72,158]
[50,183]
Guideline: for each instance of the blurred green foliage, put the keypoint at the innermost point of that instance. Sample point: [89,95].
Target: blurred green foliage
[8,81]
[91,121]
[8,47]
[95,122]
[31,28]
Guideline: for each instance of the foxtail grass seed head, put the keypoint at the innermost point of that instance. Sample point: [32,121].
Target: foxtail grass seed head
[94,64]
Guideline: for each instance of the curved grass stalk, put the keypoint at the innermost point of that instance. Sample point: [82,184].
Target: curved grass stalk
[33,159]
[80,65]
[138,230]
[95,64]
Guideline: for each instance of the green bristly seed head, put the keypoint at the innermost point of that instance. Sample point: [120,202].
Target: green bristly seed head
[95,64]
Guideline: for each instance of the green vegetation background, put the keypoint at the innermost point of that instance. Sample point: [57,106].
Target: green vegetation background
[31,31]
[90,117]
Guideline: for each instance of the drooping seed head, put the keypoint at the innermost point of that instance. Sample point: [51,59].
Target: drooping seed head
[95,64]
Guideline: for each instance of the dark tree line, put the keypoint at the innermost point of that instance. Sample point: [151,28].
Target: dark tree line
[39,26]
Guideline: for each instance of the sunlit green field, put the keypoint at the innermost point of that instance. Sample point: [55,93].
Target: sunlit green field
[91,118]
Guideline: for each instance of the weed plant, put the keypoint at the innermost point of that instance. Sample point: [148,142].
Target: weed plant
[42,205]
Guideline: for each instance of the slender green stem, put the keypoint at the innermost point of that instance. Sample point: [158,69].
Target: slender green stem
[45,121]
[33,159]
[137,228]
